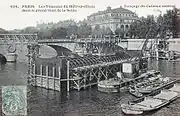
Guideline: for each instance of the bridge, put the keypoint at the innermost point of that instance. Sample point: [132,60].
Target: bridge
[83,72]
[63,47]
[83,46]
[78,46]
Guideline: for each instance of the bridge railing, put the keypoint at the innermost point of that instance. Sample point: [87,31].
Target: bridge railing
[56,40]
[83,40]
[19,37]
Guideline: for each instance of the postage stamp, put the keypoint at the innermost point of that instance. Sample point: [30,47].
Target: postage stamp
[14,100]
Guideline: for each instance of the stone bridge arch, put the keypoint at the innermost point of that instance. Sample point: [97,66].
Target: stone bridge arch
[71,46]
[61,50]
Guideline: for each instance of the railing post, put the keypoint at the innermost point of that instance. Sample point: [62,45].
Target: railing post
[68,76]
[41,74]
[47,81]
[53,75]
[109,39]
[34,74]
[59,70]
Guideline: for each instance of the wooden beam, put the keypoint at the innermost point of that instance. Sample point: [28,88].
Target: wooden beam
[59,71]
[68,84]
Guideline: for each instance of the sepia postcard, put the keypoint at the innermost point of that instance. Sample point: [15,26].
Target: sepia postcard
[89,58]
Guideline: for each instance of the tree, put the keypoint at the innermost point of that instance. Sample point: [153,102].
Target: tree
[119,32]
[30,30]
[97,31]
[161,33]
[45,33]
[59,33]
[3,31]
[84,30]
[169,22]
[153,28]
[145,27]
[108,31]
[133,31]
[72,30]
[176,23]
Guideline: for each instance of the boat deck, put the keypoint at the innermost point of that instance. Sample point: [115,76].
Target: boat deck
[166,95]
[109,82]
[149,102]
[176,88]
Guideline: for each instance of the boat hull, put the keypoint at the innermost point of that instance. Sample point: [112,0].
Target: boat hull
[150,103]
[108,88]
[110,85]
[131,112]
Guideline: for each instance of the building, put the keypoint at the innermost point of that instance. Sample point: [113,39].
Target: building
[112,18]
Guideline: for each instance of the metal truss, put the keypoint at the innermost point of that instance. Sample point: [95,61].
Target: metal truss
[19,37]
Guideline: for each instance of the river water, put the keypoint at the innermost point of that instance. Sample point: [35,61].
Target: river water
[89,102]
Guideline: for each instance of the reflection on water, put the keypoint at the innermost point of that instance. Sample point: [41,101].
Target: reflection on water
[90,102]
[2,67]
[13,74]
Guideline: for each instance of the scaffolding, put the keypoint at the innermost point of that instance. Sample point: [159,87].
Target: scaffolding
[73,73]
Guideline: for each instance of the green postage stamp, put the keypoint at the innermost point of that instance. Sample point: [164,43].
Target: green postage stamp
[14,100]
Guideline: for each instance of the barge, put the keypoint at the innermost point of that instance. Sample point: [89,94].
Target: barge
[118,84]
[152,102]
[154,82]
[110,85]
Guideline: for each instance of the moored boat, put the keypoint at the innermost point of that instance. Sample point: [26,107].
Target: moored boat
[110,85]
[147,88]
[149,103]
[153,82]
[127,110]
[134,92]
[121,84]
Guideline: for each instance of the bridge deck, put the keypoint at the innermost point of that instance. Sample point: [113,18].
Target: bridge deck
[82,40]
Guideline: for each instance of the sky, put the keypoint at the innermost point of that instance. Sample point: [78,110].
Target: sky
[14,18]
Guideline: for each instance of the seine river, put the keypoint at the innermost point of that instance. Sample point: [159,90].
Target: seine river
[88,102]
